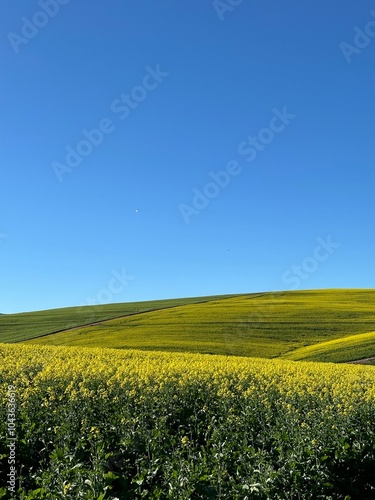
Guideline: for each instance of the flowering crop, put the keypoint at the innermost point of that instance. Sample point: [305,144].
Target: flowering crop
[103,423]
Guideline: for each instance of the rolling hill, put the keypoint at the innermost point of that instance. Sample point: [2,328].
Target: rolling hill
[24,326]
[326,325]
[349,348]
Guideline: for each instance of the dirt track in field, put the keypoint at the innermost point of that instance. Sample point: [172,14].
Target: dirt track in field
[365,361]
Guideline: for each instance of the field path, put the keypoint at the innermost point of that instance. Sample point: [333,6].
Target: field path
[364,361]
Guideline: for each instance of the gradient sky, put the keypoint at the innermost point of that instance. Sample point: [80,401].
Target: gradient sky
[128,223]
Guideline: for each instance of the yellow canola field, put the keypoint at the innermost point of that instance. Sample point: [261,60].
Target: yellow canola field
[29,367]
[99,423]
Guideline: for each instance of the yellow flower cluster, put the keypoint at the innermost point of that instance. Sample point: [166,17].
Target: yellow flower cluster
[93,372]
[154,413]
[86,372]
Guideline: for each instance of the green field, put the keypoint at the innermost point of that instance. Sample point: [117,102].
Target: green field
[344,349]
[295,325]
[24,326]
[101,413]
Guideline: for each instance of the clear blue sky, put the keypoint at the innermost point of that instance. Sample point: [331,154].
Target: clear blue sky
[182,90]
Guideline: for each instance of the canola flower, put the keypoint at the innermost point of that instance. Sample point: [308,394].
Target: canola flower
[104,423]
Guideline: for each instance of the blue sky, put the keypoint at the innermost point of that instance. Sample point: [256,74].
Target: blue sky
[169,149]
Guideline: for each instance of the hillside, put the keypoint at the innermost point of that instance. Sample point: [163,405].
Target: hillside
[349,348]
[24,326]
[262,325]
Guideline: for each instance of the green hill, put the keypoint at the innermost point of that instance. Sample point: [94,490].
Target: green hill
[263,325]
[350,348]
[24,326]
